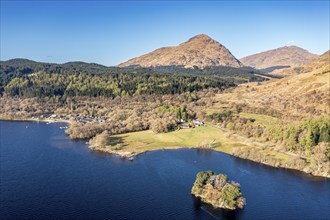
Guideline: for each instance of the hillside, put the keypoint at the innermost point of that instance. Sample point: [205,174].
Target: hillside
[21,68]
[288,115]
[288,56]
[200,51]
[306,94]
[315,64]
[29,78]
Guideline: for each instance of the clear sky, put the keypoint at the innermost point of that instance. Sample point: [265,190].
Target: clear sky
[110,32]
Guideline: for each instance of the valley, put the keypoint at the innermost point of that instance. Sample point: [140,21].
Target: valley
[281,122]
[165,110]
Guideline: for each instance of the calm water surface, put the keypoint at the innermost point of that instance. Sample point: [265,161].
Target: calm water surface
[44,175]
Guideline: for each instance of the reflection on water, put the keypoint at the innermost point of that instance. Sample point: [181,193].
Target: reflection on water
[45,175]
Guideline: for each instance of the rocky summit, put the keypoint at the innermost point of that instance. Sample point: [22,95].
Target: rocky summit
[199,51]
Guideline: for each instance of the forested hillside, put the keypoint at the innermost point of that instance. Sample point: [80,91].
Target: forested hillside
[32,79]
[82,84]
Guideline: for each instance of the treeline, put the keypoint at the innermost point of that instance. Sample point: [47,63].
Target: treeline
[238,73]
[219,116]
[299,137]
[225,76]
[82,84]
[308,138]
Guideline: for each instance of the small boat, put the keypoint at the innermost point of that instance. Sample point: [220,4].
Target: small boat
[131,158]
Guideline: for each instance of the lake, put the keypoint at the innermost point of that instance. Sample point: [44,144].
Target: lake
[45,175]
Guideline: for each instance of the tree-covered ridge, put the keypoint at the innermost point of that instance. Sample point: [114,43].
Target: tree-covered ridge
[308,138]
[299,137]
[218,191]
[21,68]
[82,84]
[302,136]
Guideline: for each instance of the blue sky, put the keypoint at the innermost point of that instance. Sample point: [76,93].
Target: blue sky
[110,32]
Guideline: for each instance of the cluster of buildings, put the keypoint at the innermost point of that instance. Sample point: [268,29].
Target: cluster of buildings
[57,117]
[83,119]
[52,117]
[195,123]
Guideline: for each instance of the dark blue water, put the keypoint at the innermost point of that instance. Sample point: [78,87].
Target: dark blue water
[44,175]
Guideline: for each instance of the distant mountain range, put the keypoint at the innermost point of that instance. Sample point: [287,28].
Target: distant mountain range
[200,51]
[283,57]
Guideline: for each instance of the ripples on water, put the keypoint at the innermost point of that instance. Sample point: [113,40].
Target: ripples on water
[45,175]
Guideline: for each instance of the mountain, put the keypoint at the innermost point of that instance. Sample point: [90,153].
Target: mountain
[320,62]
[283,57]
[300,95]
[200,51]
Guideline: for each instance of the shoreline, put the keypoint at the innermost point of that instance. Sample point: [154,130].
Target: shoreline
[131,155]
[47,120]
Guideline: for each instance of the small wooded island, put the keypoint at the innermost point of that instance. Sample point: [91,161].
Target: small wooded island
[217,190]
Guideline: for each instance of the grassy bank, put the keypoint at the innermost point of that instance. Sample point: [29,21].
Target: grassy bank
[200,137]
[204,137]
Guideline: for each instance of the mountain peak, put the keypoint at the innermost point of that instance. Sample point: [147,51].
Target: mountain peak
[201,37]
[284,56]
[200,50]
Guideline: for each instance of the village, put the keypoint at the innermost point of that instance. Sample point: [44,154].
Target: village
[83,119]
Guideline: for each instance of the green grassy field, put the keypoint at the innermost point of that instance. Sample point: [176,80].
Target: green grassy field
[142,141]
[183,138]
